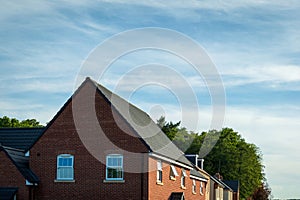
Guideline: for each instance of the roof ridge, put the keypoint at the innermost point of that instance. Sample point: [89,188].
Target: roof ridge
[143,125]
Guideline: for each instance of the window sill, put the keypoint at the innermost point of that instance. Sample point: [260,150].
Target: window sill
[183,187]
[201,194]
[64,181]
[159,183]
[194,193]
[113,181]
[172,178]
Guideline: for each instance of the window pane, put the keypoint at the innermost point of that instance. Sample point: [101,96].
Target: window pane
[114,167]
[65,167]
[159,165]
[60,162]
[119,162]
[114,161]
[109,162]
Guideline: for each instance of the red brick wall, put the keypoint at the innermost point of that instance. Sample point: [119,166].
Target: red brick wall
[89,173]
[163,192]
[11,177]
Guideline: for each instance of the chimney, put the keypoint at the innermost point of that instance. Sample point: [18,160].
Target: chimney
[218,176]
[193,158]
[200,163]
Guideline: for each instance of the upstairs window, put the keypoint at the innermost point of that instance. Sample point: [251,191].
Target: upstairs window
[183,175]
[65,168]
[159,171]
[173,173]
[114,167]
[194,187]
[201,188]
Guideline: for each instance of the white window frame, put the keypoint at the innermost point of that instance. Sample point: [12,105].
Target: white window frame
[183,175]
[194,186]
[119,167]
[201,188]
[173,173]
[59,168]
[159,174]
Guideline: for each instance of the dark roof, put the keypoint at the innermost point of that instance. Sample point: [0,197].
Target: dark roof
[220,182]
[19,138]
[7,193]
[233,184]
[144,126]
[196,173]
[21,162]
[212,178]
[177,196]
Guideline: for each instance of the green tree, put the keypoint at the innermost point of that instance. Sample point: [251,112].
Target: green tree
[6,122]
[262,193]
[168,128]
[179,135]
[233,158]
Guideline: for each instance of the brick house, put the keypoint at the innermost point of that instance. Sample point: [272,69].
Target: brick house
[99,146]
[16,178]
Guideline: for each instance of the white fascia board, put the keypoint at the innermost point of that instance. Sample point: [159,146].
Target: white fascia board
[198,178]
[170,160]
[28,183]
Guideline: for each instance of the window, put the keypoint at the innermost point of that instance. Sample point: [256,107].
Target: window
[183,175]
[65,170]
[194,187]
[114,167]
[173,173]
[201,188]
[159,171]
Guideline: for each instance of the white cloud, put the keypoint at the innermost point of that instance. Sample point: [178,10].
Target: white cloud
[273,76]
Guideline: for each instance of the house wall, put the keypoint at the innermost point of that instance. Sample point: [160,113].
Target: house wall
[163,192]
[62,137]
[11,177]
[216,192]
[227,195]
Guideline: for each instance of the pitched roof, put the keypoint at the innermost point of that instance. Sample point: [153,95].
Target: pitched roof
[233,184]
[196,173]
[19,138]
[220,182]
[144,126]
[7,193]
[21,162]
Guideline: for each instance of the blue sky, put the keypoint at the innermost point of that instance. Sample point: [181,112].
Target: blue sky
[255,45]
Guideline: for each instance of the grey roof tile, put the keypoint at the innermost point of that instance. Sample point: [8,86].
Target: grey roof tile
[196,173]
[233,184]
[21,162]
[19,138]
[144,126]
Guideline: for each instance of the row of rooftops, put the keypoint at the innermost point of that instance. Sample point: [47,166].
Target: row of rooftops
[17,141]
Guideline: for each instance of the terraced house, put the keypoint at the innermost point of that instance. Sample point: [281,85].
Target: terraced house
[98,146]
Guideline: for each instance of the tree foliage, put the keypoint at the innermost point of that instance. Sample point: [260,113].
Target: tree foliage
[231,156]
[262,193]
[6,122]
[168,128]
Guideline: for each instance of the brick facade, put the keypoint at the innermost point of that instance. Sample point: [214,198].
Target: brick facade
[10,176]
[89,128]
[89,173]
[163,192]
